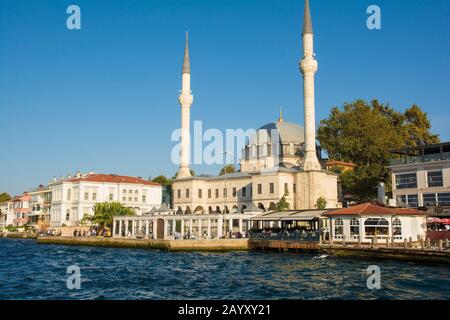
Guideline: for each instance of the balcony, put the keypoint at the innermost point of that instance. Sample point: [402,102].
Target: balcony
[421,159]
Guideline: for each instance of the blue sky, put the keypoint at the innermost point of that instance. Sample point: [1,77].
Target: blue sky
[104,98]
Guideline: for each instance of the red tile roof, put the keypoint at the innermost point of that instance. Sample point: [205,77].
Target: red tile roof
[373,209]
[112,178]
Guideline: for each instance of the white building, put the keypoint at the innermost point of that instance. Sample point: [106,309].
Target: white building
[73,198]
[280,160]
[40,204]
[6,213]
[421,176]
[364,222]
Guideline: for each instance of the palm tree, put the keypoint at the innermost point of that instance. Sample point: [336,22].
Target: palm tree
[104,213]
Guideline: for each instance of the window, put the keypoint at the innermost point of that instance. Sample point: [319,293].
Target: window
[68,194]
[111,197]
[217,193]
[397,228]
[234,192]
[86,196]
[272,188]
[259,188]
[410,200]
[130,191]
[413,200]
[94,196]
[124,191]
[144,199]
[376,227]
[178,193]
[434,179]
[405,181]
[286,188]
[225,192]
[339,227]
[199,193]
[444,199]
[130,199]
[187,193]
[209,193]
[67,214]
[135,199]
[136,192]
[244,191]
[124,199]
[294,188]
[354,227]
[429,199]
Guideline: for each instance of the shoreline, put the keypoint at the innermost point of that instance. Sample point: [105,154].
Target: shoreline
[217,245]
[224,245]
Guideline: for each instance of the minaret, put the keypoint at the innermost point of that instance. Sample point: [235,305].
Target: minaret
[308,67]
[186,98]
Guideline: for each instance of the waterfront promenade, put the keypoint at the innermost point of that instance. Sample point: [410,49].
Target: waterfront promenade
[431,254]
[168,245]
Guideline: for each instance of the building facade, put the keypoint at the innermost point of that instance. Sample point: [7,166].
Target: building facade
[421,176]
[40,206]
[21,209]
[7,213]
[365,222]
[281,159]
[73,198]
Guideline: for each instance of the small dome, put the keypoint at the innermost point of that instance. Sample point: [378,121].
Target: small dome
[289,132]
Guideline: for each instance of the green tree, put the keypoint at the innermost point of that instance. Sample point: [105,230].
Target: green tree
[363,134]
[162,180]
[229,168]
[283,204]
[167,186]
[104,213]
[321,203]
[4,197]
[417,128]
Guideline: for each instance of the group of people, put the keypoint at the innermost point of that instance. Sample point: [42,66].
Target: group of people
[50,232]
[92,232]
[284,233]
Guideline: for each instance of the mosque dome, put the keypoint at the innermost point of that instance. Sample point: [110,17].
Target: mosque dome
[278,143]
[288,132]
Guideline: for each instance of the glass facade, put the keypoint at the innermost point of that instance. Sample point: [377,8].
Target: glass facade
[435,179]
[406,181]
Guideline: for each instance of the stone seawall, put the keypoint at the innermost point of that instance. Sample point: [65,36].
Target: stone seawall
[17,235]
[404,254]
[168,245]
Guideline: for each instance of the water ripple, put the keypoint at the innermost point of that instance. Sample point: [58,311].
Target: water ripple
[31,271]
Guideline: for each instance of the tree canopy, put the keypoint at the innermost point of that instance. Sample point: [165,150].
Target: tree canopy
[4,197]
[229,168]
[163,180]
[363,133]
[104,212]
[282,205]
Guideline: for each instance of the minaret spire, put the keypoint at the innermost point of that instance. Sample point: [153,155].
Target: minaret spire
[280,119]
[186,61]
[308,67]
[307,21]
[186,99]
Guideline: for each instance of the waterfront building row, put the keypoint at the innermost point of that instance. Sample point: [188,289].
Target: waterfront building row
[66,201]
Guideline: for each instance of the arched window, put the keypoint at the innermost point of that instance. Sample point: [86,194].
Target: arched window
[338,228]
[397,228]
[376,227]
[354,227]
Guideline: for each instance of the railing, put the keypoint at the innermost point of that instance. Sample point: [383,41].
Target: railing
[313,236]
[421,159]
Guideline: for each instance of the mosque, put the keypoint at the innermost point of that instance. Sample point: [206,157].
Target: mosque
[280,160]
